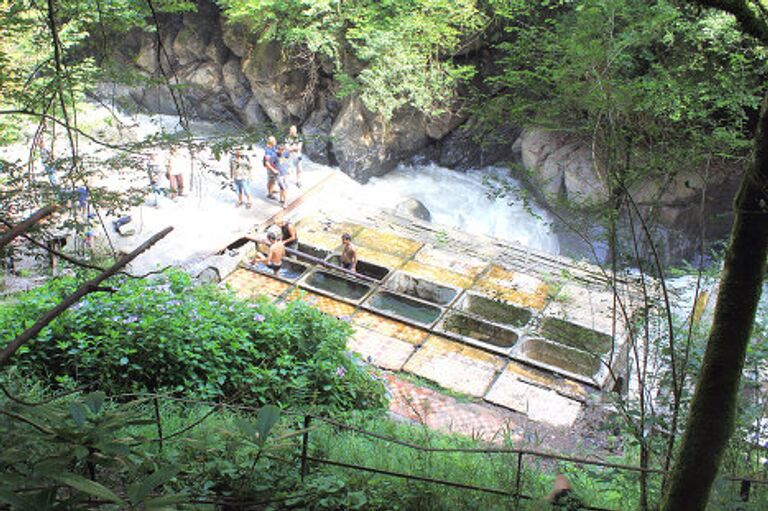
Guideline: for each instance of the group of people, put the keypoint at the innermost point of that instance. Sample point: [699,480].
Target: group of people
[279,161]
[282,235]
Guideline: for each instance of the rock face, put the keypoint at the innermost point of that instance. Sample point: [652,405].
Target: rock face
[415,209]
[563,169]
[219,72]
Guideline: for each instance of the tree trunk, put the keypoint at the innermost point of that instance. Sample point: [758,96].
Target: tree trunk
[713,408]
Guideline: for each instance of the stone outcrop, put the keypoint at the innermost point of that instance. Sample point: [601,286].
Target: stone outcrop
[413,208]
[219,72]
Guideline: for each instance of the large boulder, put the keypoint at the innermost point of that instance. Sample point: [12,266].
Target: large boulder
[562,167]
[365,145]
[414,208]
[235,83]
[276,83]
[469,146]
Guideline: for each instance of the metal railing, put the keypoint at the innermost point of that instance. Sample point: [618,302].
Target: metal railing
[515,493]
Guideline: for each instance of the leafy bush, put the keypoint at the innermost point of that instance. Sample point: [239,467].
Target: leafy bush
[168,334]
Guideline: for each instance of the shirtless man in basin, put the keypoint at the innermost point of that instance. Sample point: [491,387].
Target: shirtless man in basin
[274,259]
[348,253]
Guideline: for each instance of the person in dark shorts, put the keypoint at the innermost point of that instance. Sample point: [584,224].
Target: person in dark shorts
[288,233]
[348,253]
[274,259]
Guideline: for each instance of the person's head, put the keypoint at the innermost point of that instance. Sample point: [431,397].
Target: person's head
[271,141]
[271,237]
[346,238]
[281,149]
[280,220]
[293,131]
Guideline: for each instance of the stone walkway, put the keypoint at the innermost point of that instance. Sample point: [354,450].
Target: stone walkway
[451,415]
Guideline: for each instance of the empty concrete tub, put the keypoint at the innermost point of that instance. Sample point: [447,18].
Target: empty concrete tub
[336,285]
[370,270]
[561,357]
[479,330]
[404,307]
[421,288]
[495,311]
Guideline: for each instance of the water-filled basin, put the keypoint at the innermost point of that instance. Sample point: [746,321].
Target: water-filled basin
[290,270]
[576,336]
[310,250]
[483,331]
[422,289]
[496,311]
[370,270]
[336,285]
[404,307]
[568,359]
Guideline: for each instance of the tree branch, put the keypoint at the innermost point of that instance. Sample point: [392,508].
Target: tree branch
[85,288]
[24,226]
[750,22]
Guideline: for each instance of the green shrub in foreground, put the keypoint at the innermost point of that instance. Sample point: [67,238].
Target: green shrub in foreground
[169,334]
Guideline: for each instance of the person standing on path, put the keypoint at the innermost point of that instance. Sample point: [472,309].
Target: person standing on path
[240,172]
[283,169]
[174,173]
[270,164]
[294,144]
[49,164]
[153,171]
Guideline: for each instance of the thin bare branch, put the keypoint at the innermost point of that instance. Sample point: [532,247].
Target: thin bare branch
[24,226]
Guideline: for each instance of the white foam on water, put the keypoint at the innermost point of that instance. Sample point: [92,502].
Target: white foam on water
[462,200]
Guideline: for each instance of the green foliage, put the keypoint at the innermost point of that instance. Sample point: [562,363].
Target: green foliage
[657,88]
[52,453]
[393,53]
[168,334]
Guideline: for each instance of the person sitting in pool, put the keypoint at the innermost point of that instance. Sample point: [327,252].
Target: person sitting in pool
[348,253]
[274,259]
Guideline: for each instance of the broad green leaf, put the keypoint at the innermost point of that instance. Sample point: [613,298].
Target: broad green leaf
[94,401]
[90,487]
[266,420]
[161,503]
[139,491]
[78,412]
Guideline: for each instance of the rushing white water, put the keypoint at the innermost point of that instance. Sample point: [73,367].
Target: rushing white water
[463,200]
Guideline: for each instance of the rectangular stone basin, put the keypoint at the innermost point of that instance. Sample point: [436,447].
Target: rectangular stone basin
[421,288]
[575,336]
[496,311]
[371,270]
[290,270]
[482,331]
[404,307]
[313,251]
[561,357]
[336,285]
